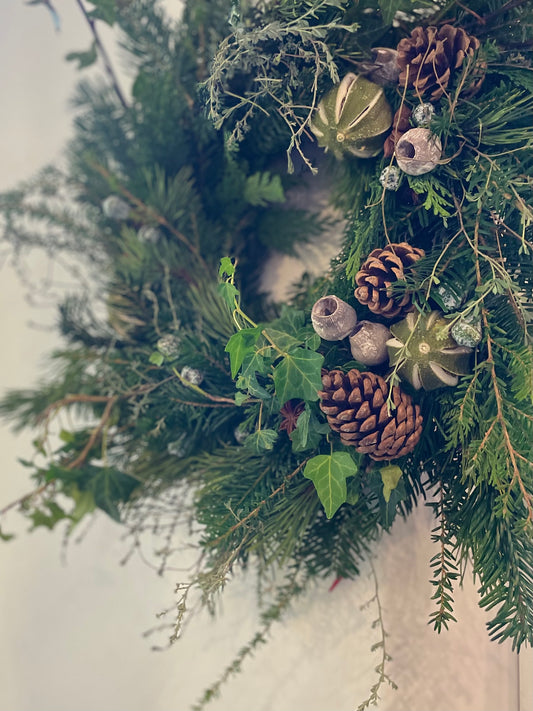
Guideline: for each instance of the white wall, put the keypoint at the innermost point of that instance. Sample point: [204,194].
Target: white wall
[72,621]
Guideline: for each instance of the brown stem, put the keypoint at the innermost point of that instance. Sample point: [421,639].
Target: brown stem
[103,54]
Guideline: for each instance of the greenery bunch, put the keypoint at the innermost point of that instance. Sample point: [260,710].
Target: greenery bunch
[199,399]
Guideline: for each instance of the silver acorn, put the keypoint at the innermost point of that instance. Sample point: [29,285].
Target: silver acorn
[418,151]
[147,233]
[368,343]
[353,118]
[332,318]
[169,345]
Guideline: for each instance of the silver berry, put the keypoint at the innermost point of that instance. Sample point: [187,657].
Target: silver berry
[390,177]
[423,114]
[147,233]
[116,208]
[169,345]
[192,375]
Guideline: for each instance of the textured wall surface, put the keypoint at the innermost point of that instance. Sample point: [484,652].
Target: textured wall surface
[72,621]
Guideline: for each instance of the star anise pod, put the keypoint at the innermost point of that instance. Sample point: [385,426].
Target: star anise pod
[290,412]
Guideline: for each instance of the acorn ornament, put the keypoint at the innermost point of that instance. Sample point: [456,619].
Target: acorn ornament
[353,118]
[332,318]
[368,343]
[425,353]
[418,151]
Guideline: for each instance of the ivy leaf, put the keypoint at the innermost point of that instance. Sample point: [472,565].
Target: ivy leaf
[226,267]
[262,188]
[105,10]
[84,504]
[308,433]
[229,293]
[329,472]
[281,340]
[6,536]
[250,384]
[390,476]
[84,59]
[157,358]
[109,488]
[239,346]
[40,517]
[298,376]
[291,319]
[261,441]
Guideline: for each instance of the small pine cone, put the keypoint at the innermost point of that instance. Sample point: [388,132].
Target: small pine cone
[400,125]
[381,268]
[355,405]
[428,57]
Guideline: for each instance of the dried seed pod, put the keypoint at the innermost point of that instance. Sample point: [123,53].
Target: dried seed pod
[418,151]
[427,355]
[467,332]
[383,68]
[352,118]
[332,318]
[368,343]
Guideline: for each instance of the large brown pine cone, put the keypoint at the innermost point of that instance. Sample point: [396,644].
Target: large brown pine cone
[355,405]
[428,57]
[381,268]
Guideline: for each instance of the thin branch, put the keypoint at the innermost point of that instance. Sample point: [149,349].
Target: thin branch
[103,54]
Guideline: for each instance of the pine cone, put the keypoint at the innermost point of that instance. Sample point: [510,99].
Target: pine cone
[429,55]
[355,405]
[381,268]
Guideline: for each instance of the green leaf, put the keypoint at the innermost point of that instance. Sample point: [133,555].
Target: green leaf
[229,293]
[40,517]
[308,433]
[104,10]
[239,346]
[263,188]
[157,358]
[5,536]
[227,268]
[312,341]
[281,340]
[240,398]
[109,488]
[261,441]
[298,376]
[390,476]
[250,384]
[84,59]
[291,320]
[84,504]
[329,472]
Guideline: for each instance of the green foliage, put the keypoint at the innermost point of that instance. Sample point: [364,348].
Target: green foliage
[329,473]
[151,448]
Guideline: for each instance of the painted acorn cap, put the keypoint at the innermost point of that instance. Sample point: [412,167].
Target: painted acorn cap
[353,118]
[427,355]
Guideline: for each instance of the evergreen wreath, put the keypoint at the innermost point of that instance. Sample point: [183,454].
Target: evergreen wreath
[295,434]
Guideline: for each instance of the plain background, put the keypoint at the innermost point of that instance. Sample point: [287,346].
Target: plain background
[72,619]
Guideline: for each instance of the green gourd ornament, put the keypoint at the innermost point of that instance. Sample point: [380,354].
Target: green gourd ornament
[427,355]
[353,118]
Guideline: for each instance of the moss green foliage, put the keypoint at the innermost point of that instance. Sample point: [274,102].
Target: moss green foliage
[155,450]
